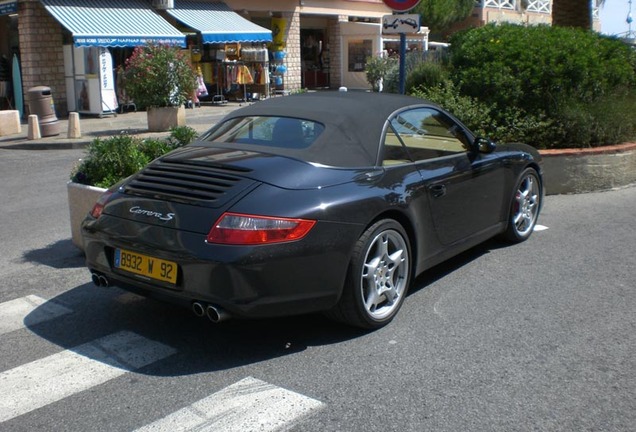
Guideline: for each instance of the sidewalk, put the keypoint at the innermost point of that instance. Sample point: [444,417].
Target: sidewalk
[134,123]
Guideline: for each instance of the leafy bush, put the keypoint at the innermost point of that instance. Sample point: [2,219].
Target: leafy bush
[113,159]
[392,78]
[473,113]
[508,125]
[549,87]
[181,135]
[159,76]
[377,68]
[537,68]
[426,74]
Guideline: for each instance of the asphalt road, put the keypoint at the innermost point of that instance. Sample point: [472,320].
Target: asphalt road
[538,336]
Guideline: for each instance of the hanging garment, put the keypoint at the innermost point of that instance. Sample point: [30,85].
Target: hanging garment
[202,90]
[244,76]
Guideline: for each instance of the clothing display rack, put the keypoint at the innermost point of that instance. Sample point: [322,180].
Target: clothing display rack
[234,76]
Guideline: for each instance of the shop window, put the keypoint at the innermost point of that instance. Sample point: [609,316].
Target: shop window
[359,51]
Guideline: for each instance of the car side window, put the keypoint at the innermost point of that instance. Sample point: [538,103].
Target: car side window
[423,133]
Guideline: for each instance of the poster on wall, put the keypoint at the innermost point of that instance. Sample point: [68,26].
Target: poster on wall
[278,33]
[82,92]
[107,81]
[90,62]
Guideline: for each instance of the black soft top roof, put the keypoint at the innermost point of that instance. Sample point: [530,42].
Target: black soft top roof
[353,122]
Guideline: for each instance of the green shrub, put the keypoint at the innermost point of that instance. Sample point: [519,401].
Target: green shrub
[609,120]
[181,135]
[535,68]
[113,159]
[159,75]
[508,125]
[548,86]
[425,74]
[152,148]
[110,160]
[392,77]
[377,68]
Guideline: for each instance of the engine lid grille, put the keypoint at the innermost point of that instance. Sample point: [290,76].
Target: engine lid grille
[188,181]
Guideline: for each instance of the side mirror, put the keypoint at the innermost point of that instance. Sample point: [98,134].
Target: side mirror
[484,145]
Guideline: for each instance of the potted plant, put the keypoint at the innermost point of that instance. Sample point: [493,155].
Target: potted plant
[161,79]
[108,162]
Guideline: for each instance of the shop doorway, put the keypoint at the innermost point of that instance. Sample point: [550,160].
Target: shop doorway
[315,58]
[360,41]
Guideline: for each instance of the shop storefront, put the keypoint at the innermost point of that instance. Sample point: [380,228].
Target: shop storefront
[89,69]
[229,51]
[8,48]
[245,49]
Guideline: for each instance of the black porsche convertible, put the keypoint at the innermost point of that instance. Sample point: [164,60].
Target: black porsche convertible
[329,201]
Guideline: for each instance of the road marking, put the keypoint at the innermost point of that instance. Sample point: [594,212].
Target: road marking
[50,379]
[540,227]
[248,405]
[28,311]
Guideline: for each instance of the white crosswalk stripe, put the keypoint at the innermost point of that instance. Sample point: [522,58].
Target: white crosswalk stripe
[28,311]
[50,379]
[248,405]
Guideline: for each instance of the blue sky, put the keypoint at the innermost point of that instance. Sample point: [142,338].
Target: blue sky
[613,14]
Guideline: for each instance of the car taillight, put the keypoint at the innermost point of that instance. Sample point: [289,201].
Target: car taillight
[96,212]
[241,229]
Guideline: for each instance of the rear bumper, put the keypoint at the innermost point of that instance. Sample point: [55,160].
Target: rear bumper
[252,282]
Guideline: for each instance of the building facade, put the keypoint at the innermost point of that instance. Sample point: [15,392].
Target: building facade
[287,45]
[317,43]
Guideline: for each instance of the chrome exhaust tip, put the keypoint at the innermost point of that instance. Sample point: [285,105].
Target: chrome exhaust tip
[216,314]
[198,309]
[100,280]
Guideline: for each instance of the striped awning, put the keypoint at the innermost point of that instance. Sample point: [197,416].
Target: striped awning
[113,23]
[217,23]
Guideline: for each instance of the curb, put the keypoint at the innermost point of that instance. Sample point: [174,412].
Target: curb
[574,171]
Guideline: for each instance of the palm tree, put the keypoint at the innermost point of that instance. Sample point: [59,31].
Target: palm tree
[573,13]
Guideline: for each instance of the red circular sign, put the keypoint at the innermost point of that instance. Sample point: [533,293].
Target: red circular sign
[401,5]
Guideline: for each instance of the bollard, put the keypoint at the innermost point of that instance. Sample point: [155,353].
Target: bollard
[33,133]
[74,130]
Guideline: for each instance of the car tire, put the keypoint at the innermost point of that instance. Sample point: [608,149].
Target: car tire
[525,207]
[378,277]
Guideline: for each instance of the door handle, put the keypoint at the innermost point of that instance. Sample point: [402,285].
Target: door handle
[438,190]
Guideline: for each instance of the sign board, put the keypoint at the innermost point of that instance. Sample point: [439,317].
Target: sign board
[8,7]
[401,5]
[400,23]
[163,4]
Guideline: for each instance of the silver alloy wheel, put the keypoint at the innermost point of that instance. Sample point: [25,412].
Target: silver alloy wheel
[385,273]
[526,204]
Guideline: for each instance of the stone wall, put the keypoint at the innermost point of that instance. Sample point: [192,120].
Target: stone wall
[335,51]
[41,52]
[570,171]
[293,58]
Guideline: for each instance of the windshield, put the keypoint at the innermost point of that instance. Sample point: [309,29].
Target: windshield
[287,132]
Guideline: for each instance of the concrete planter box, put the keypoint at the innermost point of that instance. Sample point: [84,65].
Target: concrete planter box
[572,171]
[165,118]
[10,122]
[81,199]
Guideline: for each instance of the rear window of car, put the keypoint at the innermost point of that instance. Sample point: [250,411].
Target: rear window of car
[286,132]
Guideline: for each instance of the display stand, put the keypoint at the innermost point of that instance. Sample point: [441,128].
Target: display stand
[277,73]
[90,83]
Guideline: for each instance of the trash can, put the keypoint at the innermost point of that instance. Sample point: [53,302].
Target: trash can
[40,102]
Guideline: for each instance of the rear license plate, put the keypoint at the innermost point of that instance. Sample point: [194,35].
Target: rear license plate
[145,265]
